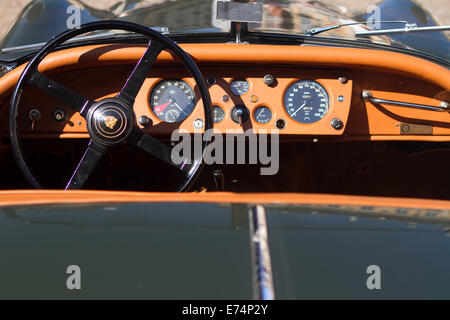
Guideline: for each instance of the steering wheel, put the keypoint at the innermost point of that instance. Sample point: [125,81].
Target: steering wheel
[110,122]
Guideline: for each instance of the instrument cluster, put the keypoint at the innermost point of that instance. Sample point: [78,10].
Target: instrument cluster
[304,104]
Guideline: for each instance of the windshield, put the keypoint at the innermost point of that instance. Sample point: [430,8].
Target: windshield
[35,21]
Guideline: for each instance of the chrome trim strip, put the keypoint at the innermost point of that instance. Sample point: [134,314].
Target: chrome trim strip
[260,250]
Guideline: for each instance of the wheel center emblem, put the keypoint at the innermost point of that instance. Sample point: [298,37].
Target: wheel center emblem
[110,122]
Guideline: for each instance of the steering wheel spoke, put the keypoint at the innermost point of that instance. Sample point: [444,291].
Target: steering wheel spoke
[140,72]
[57,90]
[86,166]
[157,149]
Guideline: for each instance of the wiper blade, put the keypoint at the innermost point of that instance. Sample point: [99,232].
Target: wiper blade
[100,36]
[314,31]
[409,28]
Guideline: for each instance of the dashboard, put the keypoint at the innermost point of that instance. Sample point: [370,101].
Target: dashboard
[300,91]
[295,101]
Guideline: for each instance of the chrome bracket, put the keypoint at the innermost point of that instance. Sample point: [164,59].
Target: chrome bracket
[367,96]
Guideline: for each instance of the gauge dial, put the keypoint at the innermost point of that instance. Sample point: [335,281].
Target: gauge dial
[219,114]
[306,101]
[263,115]
[172,100]
[239,87]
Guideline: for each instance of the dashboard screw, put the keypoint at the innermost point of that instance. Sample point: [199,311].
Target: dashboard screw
[337,124]
[226,98]
[343,80]
[341,98]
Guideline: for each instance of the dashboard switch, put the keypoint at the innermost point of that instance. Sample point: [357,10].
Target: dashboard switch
[219,180]
[34,115]
[240,114]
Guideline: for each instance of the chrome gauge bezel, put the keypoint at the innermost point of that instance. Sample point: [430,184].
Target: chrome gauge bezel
[188,88]
[316,109]
[235,91]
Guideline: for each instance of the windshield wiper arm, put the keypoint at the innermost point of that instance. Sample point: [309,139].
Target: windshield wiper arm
[314,31]
[409,28]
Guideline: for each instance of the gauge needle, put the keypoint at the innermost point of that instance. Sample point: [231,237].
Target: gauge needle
[259,115]
[293,115]
[161,107]
[180,108]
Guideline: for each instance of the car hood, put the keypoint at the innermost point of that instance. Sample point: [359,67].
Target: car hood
[202,250]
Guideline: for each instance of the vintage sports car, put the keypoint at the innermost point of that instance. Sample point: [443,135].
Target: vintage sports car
[210,149]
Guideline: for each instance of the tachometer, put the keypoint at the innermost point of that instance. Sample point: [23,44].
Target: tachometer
[306,101]
[172,100]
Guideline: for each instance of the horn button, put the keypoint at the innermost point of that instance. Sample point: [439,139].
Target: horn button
[110,122]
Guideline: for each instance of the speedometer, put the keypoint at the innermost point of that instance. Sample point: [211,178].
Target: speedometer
[172,100]
[306,101]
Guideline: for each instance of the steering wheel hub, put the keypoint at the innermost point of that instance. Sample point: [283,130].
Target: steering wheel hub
[110,122]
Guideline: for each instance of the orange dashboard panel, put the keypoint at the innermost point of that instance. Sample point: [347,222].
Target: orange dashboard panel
[334,78]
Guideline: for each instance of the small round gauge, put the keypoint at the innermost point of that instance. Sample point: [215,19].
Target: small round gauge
[263,115]
[172,100]
[239,87]
[219,114]
[306,101]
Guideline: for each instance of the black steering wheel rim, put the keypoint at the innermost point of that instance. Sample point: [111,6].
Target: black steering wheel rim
[125,101]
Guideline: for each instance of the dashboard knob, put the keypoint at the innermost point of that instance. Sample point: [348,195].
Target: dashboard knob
[59,114]
[337,124]
[270,80]
[144,121]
